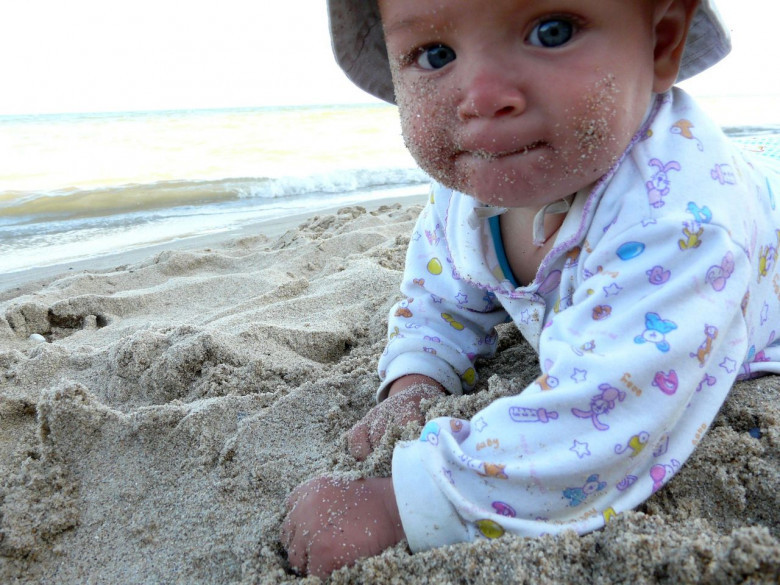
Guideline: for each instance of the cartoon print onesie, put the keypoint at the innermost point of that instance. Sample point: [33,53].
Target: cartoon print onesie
[661,289]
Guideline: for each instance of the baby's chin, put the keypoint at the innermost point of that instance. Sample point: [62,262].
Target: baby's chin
[517,194]
[503,184]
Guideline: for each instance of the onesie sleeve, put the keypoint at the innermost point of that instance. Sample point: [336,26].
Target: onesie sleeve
[637,362]
[444,323]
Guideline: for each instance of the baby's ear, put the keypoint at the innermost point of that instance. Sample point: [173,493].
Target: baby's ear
[672,21]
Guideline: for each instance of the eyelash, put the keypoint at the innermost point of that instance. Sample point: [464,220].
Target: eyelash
[577,23]
[412,57]
[426,49]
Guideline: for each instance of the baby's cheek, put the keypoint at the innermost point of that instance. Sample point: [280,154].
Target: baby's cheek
[603,125]
[415,112]
[428,126]
[420,139]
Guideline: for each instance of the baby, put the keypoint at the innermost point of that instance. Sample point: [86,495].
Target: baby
[580,195]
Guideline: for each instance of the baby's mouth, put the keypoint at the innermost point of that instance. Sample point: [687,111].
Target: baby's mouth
[498,154]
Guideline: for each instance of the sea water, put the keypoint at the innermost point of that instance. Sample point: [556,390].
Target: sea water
[78,186]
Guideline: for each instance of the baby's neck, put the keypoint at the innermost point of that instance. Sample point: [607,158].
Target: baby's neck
[523,255]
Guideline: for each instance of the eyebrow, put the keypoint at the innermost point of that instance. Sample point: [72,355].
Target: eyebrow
[406,23]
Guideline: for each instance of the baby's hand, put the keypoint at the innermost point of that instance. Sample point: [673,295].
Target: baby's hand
[402,406]
[333,522]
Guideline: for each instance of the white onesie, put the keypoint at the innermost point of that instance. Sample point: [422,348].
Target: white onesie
[661,289]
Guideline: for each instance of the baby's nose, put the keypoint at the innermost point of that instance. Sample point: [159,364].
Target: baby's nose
[491,92]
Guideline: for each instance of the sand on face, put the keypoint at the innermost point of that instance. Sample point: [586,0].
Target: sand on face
[156,433]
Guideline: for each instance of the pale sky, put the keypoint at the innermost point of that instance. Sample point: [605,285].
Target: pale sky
[114,55]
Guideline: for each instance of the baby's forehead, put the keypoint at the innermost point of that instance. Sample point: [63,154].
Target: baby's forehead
[407,10]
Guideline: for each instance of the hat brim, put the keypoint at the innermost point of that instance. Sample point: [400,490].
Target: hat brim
[708,41]
[359,44]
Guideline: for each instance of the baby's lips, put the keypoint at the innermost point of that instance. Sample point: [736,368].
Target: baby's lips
[494,144]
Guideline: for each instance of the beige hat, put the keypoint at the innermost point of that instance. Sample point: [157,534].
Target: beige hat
[359,44]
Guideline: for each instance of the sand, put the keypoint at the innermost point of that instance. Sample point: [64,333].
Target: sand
[170,404]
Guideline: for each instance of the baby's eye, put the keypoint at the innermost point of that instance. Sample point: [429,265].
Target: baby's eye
[435,57]
[552,33]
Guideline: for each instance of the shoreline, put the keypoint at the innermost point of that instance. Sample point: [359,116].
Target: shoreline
[25,281]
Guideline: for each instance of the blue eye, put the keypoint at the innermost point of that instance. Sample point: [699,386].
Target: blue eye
[435,57]
[552,33]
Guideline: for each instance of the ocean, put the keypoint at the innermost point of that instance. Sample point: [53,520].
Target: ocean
[77,186]
[80,186]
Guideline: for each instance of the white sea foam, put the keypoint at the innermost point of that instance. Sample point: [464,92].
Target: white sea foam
[80,185]
[18,207]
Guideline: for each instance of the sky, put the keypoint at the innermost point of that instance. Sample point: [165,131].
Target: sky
[119,55]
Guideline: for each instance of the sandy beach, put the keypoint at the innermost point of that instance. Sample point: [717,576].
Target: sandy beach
[157,408]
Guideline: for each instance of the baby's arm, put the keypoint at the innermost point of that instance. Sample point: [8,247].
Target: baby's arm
[401,406]
[632,376]
[436,332]
[333,522]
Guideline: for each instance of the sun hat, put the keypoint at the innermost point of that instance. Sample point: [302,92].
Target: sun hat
[359,44]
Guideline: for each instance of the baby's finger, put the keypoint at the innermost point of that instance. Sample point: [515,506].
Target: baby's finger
[292,537]
[297,558]
[299,493]
[377,430]
[289,528]
[358,441]
[286,532]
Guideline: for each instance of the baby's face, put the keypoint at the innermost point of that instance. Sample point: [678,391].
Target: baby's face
[519,102]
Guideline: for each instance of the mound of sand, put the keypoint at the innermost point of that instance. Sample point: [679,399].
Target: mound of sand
[153,431]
